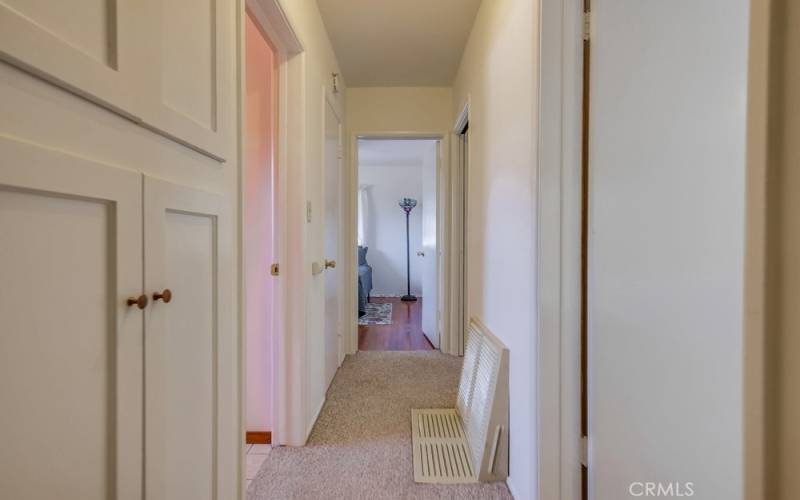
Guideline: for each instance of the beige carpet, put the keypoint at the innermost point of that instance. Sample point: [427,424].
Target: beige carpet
[360,447]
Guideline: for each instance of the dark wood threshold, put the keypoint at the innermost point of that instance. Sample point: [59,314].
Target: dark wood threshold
[258,437]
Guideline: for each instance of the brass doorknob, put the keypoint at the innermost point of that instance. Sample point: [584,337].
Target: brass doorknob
[330,264]
[166,296]
[140,301]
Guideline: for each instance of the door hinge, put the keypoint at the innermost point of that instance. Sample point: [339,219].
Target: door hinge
[274,270]
[587,25]
[585,451]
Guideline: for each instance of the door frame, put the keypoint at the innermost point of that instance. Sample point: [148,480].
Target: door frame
[458,284]
[288,407]
[558,240]
[350,226]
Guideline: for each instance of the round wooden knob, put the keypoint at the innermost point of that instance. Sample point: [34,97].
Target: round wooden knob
[166,296]
[140,301]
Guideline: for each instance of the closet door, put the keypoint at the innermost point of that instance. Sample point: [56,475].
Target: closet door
[70,345]
[190,448]
[189,48]
[90,47]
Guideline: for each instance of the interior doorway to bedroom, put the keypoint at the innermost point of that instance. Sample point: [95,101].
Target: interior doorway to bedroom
[398,251]
[260,239]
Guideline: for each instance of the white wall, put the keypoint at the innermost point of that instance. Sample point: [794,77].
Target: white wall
[399,109]
[498,76]
[385,229]
[667,244]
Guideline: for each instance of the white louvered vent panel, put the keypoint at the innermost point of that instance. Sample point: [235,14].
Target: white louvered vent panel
[450,446]
[469,366]
[440,450]
[480,407]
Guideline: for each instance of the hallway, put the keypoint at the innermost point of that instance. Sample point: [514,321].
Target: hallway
[593,202]
[360,447]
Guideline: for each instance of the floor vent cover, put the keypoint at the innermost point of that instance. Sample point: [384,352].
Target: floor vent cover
[441,453]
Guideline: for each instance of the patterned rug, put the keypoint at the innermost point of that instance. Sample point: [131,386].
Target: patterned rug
[378,313]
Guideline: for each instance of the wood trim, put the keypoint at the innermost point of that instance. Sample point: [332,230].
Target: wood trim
[258,437]
[585,171]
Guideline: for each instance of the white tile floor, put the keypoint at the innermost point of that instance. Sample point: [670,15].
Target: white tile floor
[256,454]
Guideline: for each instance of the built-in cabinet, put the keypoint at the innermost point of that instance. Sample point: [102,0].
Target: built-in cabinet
[117,370]
[160,63]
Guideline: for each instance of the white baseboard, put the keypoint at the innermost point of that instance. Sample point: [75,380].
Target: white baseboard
[314,420]
[511,488]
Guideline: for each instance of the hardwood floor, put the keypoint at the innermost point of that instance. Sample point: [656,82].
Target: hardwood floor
[404,334]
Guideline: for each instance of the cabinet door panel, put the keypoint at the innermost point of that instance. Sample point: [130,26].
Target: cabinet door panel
[70,347]
[87,46]
[184,354]
[190,56]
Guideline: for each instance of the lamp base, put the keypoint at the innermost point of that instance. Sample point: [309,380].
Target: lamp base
[408,298]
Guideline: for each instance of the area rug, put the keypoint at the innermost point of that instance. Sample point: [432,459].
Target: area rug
[378,313]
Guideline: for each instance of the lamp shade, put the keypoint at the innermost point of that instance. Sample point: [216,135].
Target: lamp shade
[407,204]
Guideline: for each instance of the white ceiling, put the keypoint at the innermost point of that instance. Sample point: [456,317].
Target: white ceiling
[394,153]
[403,43]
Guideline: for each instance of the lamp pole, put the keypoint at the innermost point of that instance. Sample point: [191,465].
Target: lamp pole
[408,204]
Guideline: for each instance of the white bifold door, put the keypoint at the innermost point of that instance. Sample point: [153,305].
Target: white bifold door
[112,387]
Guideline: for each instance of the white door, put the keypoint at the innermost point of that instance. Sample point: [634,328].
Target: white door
[334,349]
[429,252]
[188,346]
[70,346]
[667,217]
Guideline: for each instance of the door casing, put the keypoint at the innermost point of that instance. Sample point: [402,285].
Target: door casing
[350,232]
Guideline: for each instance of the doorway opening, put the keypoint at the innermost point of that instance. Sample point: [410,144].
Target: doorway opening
[398,226]
[259,231]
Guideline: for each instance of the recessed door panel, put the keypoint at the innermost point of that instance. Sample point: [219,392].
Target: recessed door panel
[189,345]
[189,73]
[88,46]
[87,25]
[70,346]
[182,360]
[188,64]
